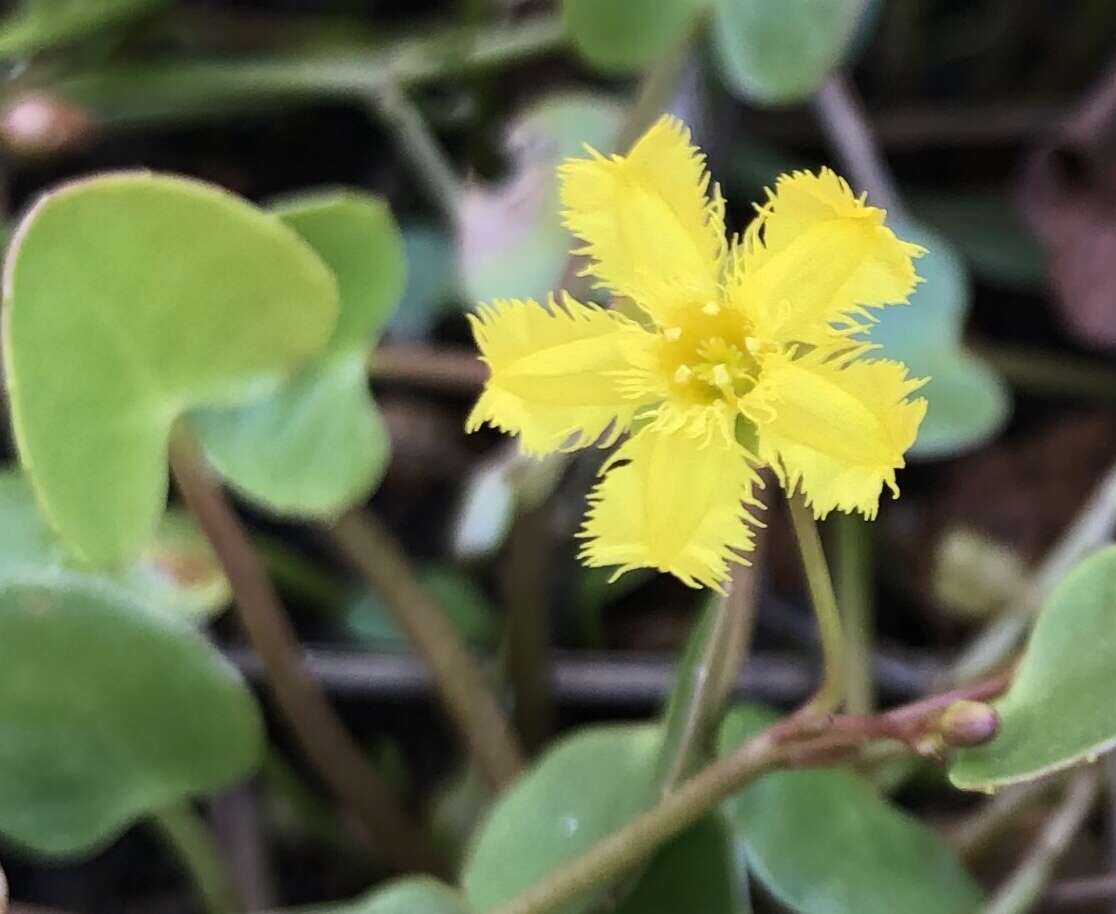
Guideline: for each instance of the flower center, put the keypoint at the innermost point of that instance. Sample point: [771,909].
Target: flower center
[710,356]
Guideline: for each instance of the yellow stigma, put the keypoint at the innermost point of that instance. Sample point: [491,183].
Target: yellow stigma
[682,374]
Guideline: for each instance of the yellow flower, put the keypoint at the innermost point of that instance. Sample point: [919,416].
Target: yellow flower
[757,341]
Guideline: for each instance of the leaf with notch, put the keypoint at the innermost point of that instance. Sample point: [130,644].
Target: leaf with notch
[318,445]
[129,299]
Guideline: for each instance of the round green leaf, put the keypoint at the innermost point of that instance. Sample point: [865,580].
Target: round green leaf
[582,789]
[1059,710]
[695,873]
[621,36]
[780,53]
[823,841]
[318,444]
[432,283]
[177,572]
[130,298]
[412,895]
[356,235]
[108,713]
[512,242]
[968,403]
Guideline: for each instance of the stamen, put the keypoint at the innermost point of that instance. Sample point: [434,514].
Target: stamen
[673,334]
[752,344]
[682,374]
[711,308]
[721,376]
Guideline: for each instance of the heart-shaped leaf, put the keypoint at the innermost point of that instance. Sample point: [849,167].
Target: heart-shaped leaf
[823,841]
[582,789]
[622,36]
[968,401]
[177,572]
[780,53]
[37,24]
[129,299]
[412,895]
[109,712]
[512,242]
[1059,710]
[318,445]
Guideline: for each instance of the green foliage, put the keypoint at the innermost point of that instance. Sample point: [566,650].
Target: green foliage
[968,401]
[109,712]
[432,283]
[131,298]
[1059,710]
[412,895]
[464,604]
[177,571]
[988,231]
[696,872]
[622,36]
[780,53]
[823,841]
[38,24]
[318,445]
[513,244]
[582,789]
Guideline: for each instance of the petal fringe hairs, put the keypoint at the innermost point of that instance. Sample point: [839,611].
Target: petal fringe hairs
[761,338]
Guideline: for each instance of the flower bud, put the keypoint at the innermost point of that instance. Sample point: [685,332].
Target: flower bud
[968,723]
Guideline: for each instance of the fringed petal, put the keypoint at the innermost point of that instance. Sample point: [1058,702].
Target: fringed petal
[835,429]
[674,503]
[555,373]
[817,258]
[650,229]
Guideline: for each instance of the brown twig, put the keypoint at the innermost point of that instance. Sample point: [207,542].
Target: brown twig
[1088,892]
[793,742]
[321,734]
[466,696]
[439,368]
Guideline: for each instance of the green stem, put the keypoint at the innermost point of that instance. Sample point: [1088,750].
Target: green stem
[466,696]
[321,734]
[420,147]
[854,596]
[1024,888]
[143,92]
[832,691]
[188,837]
[528,660]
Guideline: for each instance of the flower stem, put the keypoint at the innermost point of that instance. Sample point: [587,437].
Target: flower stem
[831,693]
[188,837]
[465,694]
[854,596]
[320,732]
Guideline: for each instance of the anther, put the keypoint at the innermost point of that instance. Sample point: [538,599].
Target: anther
[711,308]
[682,374]
[673,334]
[752,344]
[721,376]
